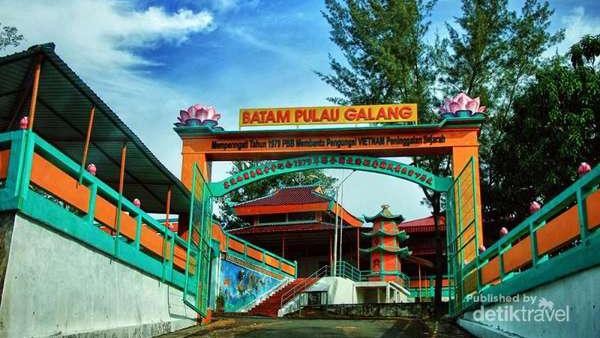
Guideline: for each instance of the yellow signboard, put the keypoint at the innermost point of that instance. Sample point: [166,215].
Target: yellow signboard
[383,113]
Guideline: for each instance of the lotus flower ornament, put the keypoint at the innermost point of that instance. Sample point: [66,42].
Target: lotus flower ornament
[462,106]
[584,168]
[199,115]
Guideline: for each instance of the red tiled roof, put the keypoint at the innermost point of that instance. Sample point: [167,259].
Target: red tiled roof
[288,195]
[424,224]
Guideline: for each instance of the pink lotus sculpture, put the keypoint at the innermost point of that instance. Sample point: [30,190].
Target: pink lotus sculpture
[137,202]
[462,106]
[584,168]
[482,248]
[198,115]
[503,231]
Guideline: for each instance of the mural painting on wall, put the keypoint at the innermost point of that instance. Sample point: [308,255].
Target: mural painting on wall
[240,286]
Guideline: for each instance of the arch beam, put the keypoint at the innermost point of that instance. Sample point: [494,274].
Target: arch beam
[360,163]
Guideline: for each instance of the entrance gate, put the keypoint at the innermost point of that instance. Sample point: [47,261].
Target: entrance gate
[462,234]
[338,148]
[197,268]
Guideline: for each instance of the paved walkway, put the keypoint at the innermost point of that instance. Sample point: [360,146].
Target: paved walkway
[254,327]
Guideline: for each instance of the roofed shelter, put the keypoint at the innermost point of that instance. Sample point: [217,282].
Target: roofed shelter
[67,112]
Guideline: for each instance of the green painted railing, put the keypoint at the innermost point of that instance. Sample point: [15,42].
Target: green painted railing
[264,253]
[18,194]
[570,256]
[348,270]
[427,290]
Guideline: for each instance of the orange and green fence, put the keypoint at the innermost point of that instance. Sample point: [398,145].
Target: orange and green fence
[560,239]
[40,182]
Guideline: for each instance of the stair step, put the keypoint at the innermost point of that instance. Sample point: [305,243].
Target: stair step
[271,305]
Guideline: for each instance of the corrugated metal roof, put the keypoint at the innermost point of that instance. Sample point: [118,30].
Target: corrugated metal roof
[62,116]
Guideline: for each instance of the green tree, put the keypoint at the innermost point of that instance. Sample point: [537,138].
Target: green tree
[385,56]
[386,60]
[585,51]
[555,126]
[9,36]
[493,52]
[267,186]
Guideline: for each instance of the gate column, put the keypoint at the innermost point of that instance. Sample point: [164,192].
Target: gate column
[461,155]
[189,158]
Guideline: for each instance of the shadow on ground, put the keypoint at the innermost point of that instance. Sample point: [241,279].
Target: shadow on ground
[256,327]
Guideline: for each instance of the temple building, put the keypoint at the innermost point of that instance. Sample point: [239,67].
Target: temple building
[298,223]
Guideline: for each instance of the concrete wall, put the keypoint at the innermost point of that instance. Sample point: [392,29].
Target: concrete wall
[56,286]
[339,291]
[574,302]
[343,291]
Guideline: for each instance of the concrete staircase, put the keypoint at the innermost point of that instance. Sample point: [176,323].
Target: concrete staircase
[271,305]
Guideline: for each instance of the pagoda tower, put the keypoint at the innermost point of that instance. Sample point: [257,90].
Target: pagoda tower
[385,247]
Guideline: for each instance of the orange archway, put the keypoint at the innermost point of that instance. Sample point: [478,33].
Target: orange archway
[457,137]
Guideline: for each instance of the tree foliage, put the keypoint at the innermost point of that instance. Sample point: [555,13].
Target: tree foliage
[585,51]
[555,126]
[491,52]
[385,56]
[494,52]
[9,36]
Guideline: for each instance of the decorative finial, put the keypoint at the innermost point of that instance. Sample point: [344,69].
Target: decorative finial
[534,207]
[91,168]
[584,168]
[503,231]
[199,115]
[24,122]
[137,202]
[461,106]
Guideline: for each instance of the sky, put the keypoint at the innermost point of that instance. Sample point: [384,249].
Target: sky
[149,59]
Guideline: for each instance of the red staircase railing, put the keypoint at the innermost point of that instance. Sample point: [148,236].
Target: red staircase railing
[303,285]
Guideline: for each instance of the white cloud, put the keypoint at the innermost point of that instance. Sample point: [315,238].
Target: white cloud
[99,40]
[232,5]
[577,24]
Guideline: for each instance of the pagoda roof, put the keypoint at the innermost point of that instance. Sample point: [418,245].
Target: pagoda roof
[401,234]
[424,224]
[404,252]
[386,214]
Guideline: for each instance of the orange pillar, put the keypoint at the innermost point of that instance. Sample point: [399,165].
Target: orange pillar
[189,158]
[34,91]
[460,157]
[88,136]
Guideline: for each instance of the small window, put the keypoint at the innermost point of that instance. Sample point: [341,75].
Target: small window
[269,219]
[301,216]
